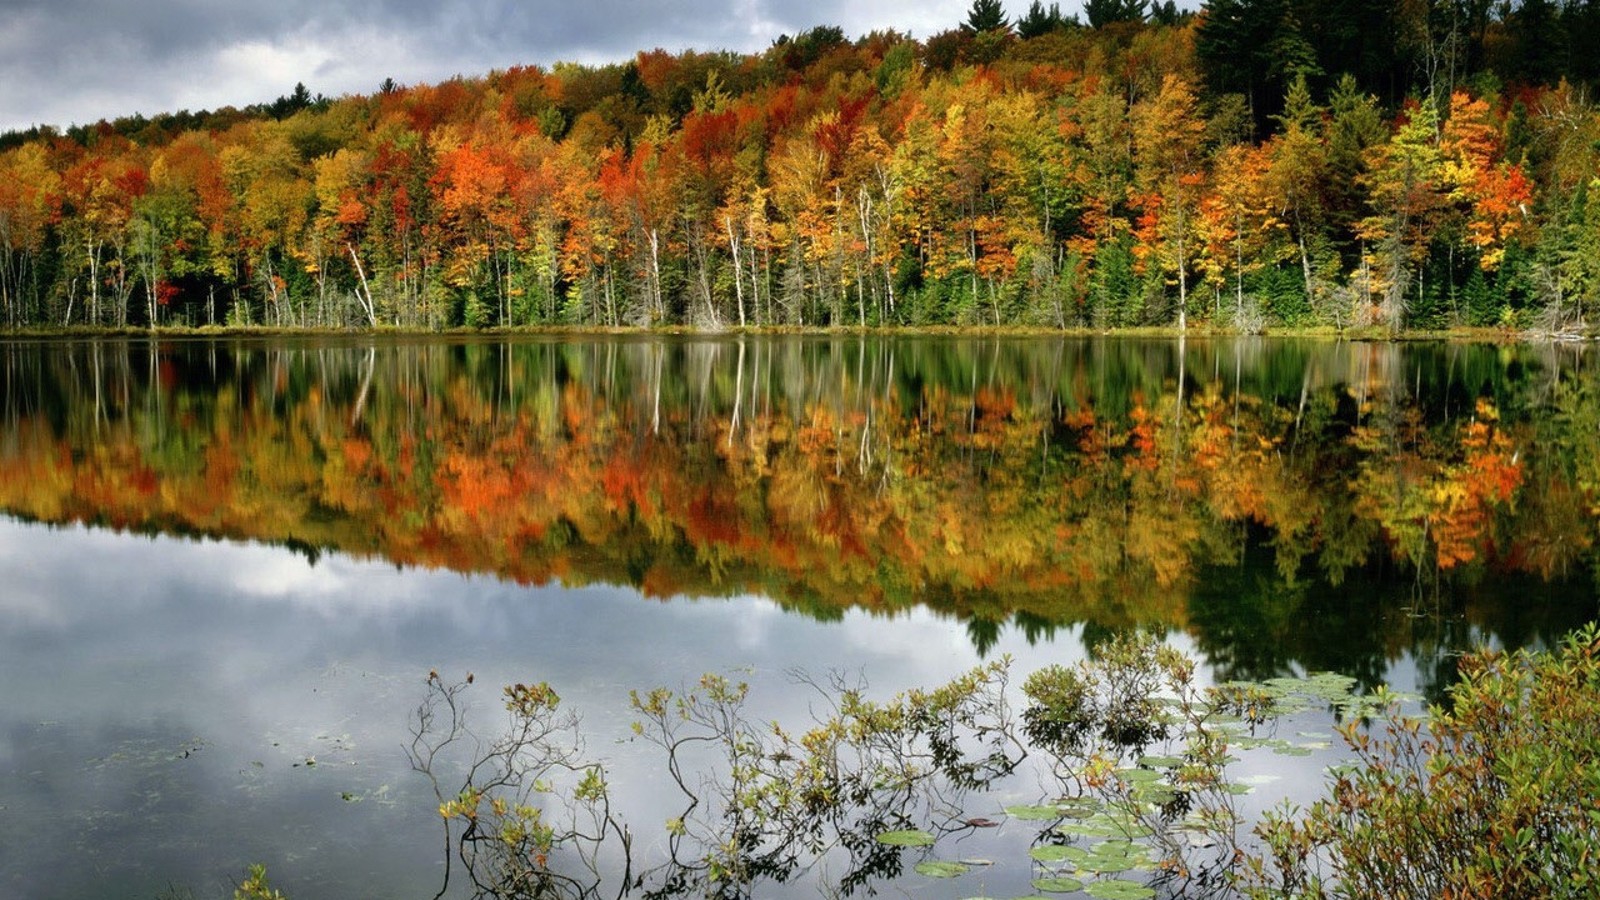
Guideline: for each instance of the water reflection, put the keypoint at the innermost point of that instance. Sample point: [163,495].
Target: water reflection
[1237,489]
[500,506]
[164,698]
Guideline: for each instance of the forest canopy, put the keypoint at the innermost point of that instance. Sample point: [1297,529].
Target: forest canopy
[1251,164]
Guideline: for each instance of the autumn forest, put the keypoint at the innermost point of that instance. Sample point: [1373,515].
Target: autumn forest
[1254,164]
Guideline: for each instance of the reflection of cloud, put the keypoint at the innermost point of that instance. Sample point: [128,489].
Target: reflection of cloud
[262,660]
[24,604]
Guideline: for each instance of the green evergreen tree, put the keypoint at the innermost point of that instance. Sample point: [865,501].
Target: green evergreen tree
[1040,21]
[987,15]
[1104,12]
[1167,13]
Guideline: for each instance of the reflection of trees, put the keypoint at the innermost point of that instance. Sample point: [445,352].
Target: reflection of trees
[1241,488]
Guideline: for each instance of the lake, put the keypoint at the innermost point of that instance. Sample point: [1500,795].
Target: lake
[229,566]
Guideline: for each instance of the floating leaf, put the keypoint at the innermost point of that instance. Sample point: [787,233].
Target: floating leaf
[1161,762]
[912,837]
[1107,865]
[1159,794]
[1080,808]
[934,868]
[1117,889]
[1034,813]
[1138,776]
[1050,853]
[1057,885]
[1090,828]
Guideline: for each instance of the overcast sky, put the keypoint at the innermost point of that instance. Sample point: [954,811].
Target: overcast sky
[65,62]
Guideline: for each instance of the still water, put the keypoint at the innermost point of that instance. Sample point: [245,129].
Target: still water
[228,566]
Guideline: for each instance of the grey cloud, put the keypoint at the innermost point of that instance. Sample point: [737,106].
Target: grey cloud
[72,61]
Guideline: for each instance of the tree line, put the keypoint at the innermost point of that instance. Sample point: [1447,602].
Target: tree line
[1258,163]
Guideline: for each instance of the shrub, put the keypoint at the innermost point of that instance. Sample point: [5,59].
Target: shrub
[1493,796]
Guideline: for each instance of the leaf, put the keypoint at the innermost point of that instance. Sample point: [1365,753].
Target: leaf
[1057,885]
[1050,853]
[912,837]
[1080,808]
[1117,889]
[1103,865]
[934,868]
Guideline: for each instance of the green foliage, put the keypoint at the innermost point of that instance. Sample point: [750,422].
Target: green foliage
[1101,13]
[1490,796]
[1039,21]
[1113,699]
[256,887]
[987,15]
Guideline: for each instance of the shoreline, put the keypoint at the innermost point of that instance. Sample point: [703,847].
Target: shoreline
[1369,335]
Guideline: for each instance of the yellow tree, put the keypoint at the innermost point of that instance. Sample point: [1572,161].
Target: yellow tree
[341,220]
[1496,193]
[1168,134]
[30,200]
[1237,223]
[1298,166]
[1406,191]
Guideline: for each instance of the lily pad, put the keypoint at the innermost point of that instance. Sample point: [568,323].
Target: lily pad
[1057,885]
[1050,853]
[1107,865]
[1161,762]
[1033,813]
[934,868]
[912,837]
[1089,828]
[1156,793]
[1117,889]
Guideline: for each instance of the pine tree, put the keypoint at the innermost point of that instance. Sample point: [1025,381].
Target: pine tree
[987,15]
[1104,12]
[1039,21]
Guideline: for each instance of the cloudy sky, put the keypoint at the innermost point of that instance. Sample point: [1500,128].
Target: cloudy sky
[66,62]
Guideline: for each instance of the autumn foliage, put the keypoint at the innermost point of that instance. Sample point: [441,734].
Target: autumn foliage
[1137,173]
